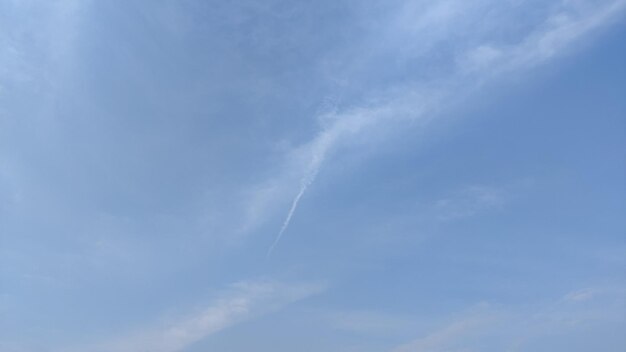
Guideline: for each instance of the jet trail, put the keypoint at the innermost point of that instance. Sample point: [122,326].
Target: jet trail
[306,182]
[473,67]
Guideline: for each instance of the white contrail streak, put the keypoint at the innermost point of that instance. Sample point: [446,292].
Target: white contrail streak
[306,182]
[474,66]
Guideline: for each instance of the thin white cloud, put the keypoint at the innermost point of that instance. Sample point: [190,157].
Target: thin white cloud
[243,301]
[510,328]
[477,65]
[447,337]
[580,295]
[571,21]
[468,202]
[305,184]
[372,323]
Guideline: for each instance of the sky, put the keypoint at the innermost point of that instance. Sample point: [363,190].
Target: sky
[287,175]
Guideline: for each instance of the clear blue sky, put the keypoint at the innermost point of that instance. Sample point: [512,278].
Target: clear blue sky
[397,176]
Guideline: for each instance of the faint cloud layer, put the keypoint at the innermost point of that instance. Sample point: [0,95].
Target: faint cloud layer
[468,202]
[488,327]
[243,301]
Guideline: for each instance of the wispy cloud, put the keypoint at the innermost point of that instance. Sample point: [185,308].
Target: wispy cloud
[468,202]
[370,322]
[447,337]
[486,327]
[476,65]
[243,301]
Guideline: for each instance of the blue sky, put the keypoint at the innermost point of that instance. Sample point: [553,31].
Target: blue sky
[312,176]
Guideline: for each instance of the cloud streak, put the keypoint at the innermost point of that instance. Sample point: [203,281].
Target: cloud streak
[305,184]
[486,327]
[243,301]
[474,66]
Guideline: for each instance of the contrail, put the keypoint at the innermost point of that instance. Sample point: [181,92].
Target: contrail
[306,182]
[475,63]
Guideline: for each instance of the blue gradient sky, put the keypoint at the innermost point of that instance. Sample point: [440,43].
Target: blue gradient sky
[312,175]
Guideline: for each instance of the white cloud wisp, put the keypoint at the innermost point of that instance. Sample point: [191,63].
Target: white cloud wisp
[244,301]
[480,64]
